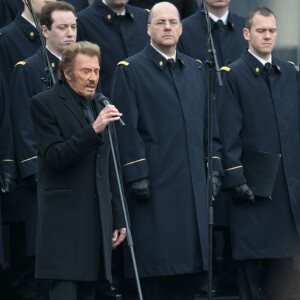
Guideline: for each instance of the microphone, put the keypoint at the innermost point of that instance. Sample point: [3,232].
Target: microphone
[105,101]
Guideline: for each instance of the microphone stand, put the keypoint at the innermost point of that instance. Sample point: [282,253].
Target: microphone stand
[213,67]
[128,231]
[50,81]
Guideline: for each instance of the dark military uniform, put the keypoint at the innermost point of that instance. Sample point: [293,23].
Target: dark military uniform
[13,7]
[228,39]
[185,7]
[79,4]
[229,44]
[5,17]
[18,40]
[259,110]
[118,36]
[26,82]
[164,111]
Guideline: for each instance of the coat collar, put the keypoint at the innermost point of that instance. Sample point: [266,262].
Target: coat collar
[230,20]
[108,14]
[29,30]
[256,66]
[69,101]
[158,60]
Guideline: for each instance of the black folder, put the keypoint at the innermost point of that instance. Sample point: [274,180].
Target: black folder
[260,170]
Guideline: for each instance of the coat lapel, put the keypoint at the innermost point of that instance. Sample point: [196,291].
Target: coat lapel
[70,103]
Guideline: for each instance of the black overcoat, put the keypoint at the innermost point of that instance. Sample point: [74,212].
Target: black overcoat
[229,41]
[77,191]
[260,111]
[164,140]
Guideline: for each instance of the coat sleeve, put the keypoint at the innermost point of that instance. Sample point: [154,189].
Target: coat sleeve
[230,118]
[133,156]
[58,150]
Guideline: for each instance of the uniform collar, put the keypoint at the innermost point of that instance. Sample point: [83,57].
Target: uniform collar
[108,14]
[223,18]
[256,66]
[159,60]
[230,20]
[53,60]
[24,25]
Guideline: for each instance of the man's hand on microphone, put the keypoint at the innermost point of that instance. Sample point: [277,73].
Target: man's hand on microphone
[107,115]
[140,189]
[242,193]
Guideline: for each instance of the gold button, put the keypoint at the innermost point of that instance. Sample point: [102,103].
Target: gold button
[31,33]
[109,17]
[161,63]
[257,70]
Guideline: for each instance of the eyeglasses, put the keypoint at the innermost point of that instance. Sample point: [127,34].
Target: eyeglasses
[163,23]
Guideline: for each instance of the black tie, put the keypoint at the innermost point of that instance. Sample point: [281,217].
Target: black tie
[268,67]
[171,63]
[88,111]
[221,25]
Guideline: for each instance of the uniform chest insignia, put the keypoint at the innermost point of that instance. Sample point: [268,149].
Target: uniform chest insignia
[257,70]
[53,65]
[226,69]
[123,63]
[108,17]
[31,34]
[161,63]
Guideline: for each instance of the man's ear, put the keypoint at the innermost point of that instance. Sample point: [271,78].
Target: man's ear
[246,34]
[67,75]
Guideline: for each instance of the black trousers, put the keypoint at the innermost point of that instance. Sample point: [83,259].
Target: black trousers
[174,287]
[265,279]
[66,290]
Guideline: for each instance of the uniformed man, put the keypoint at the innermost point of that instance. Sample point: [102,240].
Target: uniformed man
[185,7]
[29,77]
[162,95]
[227,32]
[118,28]
[258,110]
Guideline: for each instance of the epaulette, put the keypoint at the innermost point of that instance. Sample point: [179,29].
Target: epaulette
[199,61]
[22,63]
[226,69]
[123,63]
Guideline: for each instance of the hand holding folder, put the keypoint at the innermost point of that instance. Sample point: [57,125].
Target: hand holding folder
[260,170]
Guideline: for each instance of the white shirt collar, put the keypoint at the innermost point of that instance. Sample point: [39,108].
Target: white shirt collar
[260,59]
[31,22]
[164,55]
[121,14]
[59,57]
[223,18]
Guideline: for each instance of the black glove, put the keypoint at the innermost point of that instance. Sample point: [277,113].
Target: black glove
[140,189]
[215,183]
[29,181]
[8,184]
[242,193]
